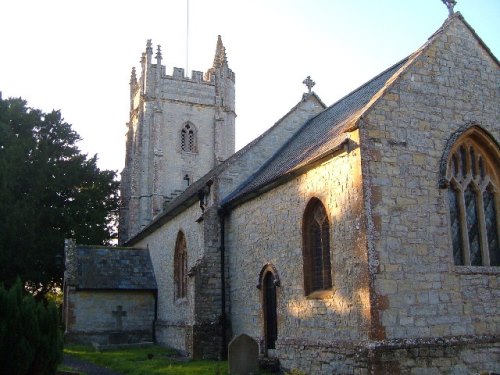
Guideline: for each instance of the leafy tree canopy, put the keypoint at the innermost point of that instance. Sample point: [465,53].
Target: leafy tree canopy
[49,191]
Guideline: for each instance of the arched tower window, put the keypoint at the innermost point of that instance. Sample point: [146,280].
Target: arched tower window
[188,138]
[316,248]
[472,176]
[180,266]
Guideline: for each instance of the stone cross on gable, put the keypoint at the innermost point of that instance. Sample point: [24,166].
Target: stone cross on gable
[309,83]
[119,314]
[450,4]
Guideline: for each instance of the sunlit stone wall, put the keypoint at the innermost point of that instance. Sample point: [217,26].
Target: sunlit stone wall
[268,229]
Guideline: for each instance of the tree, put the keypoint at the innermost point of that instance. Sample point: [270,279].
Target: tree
[49,191]
[31,340]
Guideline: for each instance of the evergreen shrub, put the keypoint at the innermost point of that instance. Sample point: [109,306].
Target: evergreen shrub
[30,336]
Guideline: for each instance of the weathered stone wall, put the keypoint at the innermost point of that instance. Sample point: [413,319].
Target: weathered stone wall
[401,357]
[452,83]
[160,106]
[481,356]
[175,315]
[91,318]
[268,229]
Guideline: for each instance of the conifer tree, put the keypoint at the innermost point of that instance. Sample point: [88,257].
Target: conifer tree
[49,191]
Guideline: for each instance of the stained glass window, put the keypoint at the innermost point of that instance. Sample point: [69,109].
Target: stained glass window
[472,226]
[456,228]
[316,232]
[463,161]
[473,162]
[481,168]
[472,205]
[490,217]
[455,165]
[180,266]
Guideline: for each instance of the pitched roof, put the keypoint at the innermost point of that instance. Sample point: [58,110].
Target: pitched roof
[114,268]
[327,131]
[189,196]
[316,137]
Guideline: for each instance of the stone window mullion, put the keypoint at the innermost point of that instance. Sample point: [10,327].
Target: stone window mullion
[482,229]
[473,176]
[463,228]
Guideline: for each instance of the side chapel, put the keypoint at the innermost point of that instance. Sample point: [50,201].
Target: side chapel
[359,238]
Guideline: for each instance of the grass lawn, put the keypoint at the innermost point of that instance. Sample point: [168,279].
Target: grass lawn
[146,360]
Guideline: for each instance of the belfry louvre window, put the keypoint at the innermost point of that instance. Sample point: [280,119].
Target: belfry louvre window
[180,266]
[316,248]
[188,138]
[473,200]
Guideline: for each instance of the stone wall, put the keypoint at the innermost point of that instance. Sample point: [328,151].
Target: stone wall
[268,229]
[399,305]
[192,324]
[399,357]
[93,316]
[454,82]
[160,106]
[175,315]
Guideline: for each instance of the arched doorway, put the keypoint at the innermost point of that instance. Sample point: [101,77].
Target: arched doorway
[268,283]
[270,315]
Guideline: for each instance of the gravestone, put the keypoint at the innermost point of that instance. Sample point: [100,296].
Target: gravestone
[243,355]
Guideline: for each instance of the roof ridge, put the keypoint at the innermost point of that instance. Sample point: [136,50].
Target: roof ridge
[241,187]
[192,190]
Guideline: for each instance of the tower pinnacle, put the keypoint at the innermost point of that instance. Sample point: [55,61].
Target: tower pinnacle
[158,53]
[220,58]
[133,77]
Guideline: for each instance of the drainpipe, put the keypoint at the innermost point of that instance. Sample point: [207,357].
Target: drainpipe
[222,215]
[155,319]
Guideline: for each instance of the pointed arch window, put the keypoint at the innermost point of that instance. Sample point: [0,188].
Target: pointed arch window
[472,177]
[188,138]
[316,248]
[180,267]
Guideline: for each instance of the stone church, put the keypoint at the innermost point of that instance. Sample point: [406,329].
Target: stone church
[359,238]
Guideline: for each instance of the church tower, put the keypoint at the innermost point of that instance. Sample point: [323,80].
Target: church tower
[179,129]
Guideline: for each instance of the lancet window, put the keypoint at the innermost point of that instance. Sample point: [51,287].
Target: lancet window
[473,200]
[316,248]
[180,267]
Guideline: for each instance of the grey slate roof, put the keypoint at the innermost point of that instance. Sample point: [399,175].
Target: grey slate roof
[316,137]
[114,268]
[189,196]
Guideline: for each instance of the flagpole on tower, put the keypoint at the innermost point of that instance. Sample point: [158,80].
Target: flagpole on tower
[187,38]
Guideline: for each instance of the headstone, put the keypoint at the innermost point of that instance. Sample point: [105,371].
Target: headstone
[243,355]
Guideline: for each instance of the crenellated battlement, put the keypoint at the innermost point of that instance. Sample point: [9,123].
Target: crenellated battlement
[151,73]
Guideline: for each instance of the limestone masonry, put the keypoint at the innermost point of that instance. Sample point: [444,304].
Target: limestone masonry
[359,238]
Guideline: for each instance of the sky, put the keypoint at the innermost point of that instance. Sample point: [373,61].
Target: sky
[76,56]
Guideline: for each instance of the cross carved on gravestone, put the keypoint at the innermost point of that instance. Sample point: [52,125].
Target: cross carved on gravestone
[119,314]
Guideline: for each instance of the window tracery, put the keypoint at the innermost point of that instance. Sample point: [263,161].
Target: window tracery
[188,138]
[472,175]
